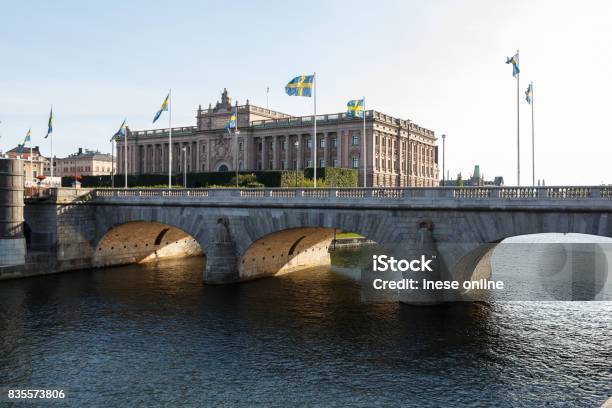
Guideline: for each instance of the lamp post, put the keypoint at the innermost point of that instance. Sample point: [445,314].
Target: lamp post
[184,149]
[296,144]
[443,160]
[113,162]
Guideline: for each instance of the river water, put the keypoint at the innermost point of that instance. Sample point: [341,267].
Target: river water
[154,335]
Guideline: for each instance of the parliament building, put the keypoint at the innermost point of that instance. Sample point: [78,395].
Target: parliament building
[398,153]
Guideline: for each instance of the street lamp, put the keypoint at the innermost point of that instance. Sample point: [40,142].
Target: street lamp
[184,149]
[296,144]
[443,161]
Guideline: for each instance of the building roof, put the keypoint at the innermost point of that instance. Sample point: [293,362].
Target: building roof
[22,149]
[264,118]
[87,153]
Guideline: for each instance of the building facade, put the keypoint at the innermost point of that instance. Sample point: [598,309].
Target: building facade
[34,164]
[84,162]
[397,152]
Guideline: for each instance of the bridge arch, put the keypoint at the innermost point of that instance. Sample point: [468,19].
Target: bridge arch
[285,251]
[142,242]
[585,257]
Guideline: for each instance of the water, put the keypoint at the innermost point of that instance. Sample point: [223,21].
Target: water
[155,336]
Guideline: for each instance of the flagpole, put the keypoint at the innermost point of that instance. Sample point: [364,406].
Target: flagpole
[518,126]
[365,154]
[532,140]
[51,142]
[314,86]
[31,162]
[170,139]
[126,155]
[237,153]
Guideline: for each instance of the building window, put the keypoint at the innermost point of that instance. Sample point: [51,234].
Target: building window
[322,142]
[334,142]
[295,164]
[284,145]
[355,139]
[355,162]
[270,164]
[308,163]
[283,165]
[322,163]
[335,162]
[240,146]
[259,163]
[309,144]
[260,146]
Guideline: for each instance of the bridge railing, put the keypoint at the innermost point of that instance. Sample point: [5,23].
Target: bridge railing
[376,193]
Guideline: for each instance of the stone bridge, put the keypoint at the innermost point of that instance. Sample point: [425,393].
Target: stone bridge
[252,233]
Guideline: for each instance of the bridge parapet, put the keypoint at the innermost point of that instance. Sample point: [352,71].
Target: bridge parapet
[571,197]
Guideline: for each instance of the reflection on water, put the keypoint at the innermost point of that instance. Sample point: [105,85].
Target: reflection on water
[154,335]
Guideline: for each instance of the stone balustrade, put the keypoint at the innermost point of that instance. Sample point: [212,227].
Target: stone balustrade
[493,197]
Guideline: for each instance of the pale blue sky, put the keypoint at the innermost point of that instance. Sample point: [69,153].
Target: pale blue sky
[439,63]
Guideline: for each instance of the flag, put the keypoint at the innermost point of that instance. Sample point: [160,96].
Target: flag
[120,132]
[164,107]
[529,93]
[28,137]
[50,125]
[514,60]
[300,86]
[232,123]
[354,108]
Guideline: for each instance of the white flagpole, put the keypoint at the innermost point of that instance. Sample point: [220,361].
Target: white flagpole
[31,162]
[237,152]
[170,139]
[364,154]
[51,142]
[314,89]
[532,140]
[518,126]
[125,135]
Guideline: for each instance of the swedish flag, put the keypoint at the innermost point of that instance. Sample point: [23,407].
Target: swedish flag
[120,132]
[300,86]
[50,125]
[514,60]
[529,93]
[164,107]
[232,123]
[354,108]
[28,137]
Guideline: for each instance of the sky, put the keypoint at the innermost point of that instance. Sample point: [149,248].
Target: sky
[438,63]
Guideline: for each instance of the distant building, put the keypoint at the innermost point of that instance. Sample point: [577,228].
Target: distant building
[476,179]
[397,151]
[84,162]
[38,165]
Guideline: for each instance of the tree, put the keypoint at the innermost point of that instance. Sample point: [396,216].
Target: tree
[459,180]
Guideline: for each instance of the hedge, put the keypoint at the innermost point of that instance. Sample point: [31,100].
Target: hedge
[333,177]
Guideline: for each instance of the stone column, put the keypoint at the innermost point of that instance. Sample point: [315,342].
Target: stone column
[326,149]
[264,154]
[288,147]
[339,147]
[276,152]
[300,152]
